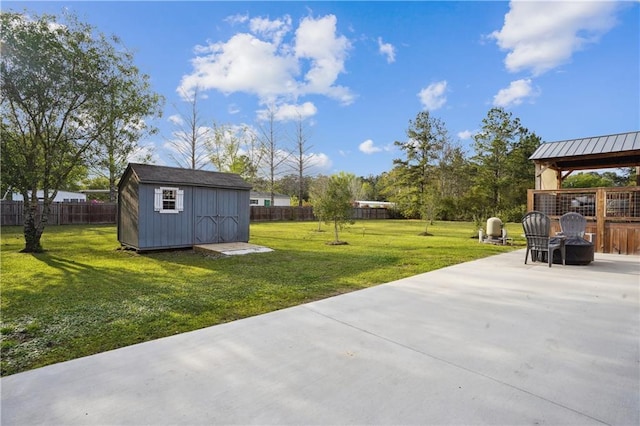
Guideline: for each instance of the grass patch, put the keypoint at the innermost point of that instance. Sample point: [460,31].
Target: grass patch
[83,295]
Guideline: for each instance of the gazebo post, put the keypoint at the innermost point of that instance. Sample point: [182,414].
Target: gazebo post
[600,220]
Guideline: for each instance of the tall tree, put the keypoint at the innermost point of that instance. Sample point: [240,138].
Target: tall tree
[189,141]
[502,149]
[56,74]
[453,178]
[302,157]
[290,185]
[449,170]
[126,126]
[521,170]
[273,157]
[589,180]
[426,137]
[372,188]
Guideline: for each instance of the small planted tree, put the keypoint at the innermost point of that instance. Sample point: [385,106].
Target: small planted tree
[316,195]
[335,203]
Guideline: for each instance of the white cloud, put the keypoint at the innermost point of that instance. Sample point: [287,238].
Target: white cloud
[233,109]
[317,41]
[242,64]
[315,163]
[514,94]
[237,19]
[387,50]
[433,96]
[176,119]
[320,163]
[543,35]
[289,112]
[368,147]
[262,63]
[466,134]
[273,30]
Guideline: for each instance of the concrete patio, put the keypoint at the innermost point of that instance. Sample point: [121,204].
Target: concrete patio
[491,341]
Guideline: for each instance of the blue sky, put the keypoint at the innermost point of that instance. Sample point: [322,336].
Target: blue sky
[359,71]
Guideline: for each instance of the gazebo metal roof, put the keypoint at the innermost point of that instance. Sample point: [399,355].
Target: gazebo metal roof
[618,150]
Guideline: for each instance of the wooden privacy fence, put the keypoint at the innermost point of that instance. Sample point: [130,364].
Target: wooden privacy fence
[613,214]
[263,214]
[11,213]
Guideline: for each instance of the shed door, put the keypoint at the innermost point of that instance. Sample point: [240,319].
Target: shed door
[216,215]
[227,216]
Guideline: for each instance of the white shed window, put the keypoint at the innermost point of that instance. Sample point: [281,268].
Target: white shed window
[168,200]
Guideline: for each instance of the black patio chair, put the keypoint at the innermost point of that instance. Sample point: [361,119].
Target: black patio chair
[573,227]
[537,227]
[573,224]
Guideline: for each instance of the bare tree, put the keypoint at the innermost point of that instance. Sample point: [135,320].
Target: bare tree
[190,140]
[273,157]
[302,157]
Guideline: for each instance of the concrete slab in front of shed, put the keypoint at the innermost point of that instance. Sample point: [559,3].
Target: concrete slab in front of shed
[231,249]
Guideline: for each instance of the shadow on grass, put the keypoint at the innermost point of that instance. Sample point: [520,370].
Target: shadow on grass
[81,308]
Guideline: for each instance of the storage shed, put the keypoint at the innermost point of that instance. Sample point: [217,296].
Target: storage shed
[166,207]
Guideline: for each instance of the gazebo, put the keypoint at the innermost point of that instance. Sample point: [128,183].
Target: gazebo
[613,214]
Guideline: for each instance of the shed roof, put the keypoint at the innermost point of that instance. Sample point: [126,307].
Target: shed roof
[618,150]
[147,173]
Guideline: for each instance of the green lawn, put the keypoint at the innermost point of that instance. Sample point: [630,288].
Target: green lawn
[84,296]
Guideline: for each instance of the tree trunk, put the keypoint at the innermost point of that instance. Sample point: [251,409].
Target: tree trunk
[113,190]
[32,228]
[335,230]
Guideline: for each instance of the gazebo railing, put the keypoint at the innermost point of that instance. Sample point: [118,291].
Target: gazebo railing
[613,214]
[619,202]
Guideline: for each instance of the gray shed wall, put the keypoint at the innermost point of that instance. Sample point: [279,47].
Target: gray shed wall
[164,230]
[210,215]
[128,214]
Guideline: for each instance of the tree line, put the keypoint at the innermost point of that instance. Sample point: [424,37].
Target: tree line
[74,108]
[435,178]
